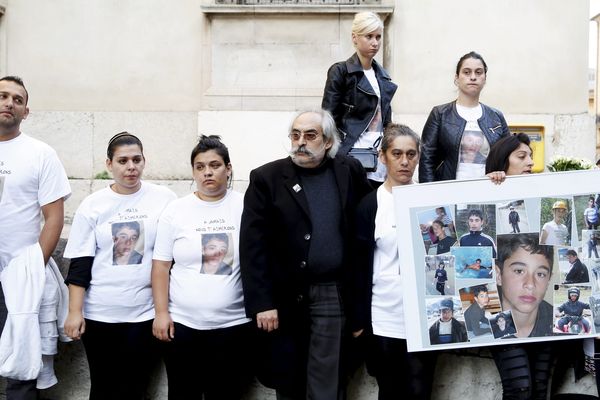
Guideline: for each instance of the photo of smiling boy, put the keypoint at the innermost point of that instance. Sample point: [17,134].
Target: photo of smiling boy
[523,274]
[557,231]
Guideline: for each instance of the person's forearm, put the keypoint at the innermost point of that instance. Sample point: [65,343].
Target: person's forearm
[76,295]
[53,224]
[160,285]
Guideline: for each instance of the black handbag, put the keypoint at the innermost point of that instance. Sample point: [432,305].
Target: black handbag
[367,156]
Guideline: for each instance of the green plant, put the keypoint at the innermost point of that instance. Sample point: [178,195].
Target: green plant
[102,175]
[562,163]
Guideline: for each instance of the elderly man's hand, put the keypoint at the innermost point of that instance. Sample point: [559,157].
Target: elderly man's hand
[267,320]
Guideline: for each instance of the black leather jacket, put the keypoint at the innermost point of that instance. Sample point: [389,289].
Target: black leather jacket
[442,135]
[349,97]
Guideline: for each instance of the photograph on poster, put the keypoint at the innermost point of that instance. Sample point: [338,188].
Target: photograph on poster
[524,271]
[572,269]
[511,217]
[595,308]
[556,215]
[440,275]
[594,267]
[445,321]
[476,225]
[479,302]
[437,228]
[589,239]
[503,325]
[572,312]
[521,303]
[586,212]
[473,262]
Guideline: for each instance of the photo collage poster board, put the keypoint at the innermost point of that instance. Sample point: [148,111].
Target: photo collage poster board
[486,264]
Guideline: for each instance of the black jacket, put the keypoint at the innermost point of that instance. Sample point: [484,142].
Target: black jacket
[349,97]
[442,135]
[578,273]
[276,232]
[459,333]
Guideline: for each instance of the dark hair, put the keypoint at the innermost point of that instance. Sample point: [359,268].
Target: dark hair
[221,237]
[497,159]
[475,213]
[440,223]
[212,142]
[18,81]
[474,55]
[508,244]
[115,228]
[479,259]
[442,209]
[122,139]
[392,131]
[478,289]
[571,252]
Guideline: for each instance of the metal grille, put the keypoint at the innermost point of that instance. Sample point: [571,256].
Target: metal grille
[298,2]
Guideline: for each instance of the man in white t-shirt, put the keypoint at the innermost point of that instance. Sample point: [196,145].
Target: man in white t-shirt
[34,183]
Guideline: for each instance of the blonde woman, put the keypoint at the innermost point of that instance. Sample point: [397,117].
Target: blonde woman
[359,92]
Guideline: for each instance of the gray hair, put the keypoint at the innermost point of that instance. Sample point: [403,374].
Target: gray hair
[330,132]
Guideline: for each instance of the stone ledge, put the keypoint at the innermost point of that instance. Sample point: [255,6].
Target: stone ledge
[383,10]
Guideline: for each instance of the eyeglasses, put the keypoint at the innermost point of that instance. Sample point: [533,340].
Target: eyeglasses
[308,136]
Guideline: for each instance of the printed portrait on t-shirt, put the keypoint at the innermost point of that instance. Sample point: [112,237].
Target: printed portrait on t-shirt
[128,242]
[474,148]
[216,255]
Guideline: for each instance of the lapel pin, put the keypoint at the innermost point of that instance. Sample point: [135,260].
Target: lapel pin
[296,188]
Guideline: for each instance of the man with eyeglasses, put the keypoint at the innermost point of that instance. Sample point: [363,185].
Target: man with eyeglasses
[295,255]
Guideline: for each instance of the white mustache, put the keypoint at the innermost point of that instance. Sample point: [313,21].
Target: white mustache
[303,150]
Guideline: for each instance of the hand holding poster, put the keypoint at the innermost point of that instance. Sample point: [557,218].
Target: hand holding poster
[487,264]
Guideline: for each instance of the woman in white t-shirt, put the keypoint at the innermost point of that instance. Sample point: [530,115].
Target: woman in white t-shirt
[110,297]
[359,93]
[457,136]
[378,312]
[197,287]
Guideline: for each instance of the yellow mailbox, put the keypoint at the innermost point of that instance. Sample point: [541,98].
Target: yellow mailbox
[536,135]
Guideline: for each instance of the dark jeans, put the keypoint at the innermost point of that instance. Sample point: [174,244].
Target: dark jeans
[214,363]
[524,370]
[400,374]
[16,390]
[121,357]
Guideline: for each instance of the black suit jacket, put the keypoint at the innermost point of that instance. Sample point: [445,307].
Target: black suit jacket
[276,231]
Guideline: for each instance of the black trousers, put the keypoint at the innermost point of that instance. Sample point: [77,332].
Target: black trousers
[524,370]
[121,357]
[400,374]
[214,363]
[16,390]
[304,356]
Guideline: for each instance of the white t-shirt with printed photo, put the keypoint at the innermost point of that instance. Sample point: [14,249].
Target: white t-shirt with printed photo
[196,233]
[119,232]
[474,147]
[31,176]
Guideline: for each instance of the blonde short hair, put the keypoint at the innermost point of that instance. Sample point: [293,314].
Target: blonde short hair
[365,23]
